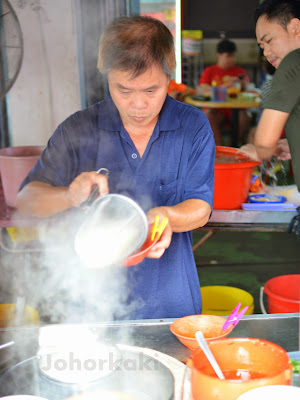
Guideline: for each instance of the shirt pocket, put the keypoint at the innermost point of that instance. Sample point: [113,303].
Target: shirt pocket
[170,192]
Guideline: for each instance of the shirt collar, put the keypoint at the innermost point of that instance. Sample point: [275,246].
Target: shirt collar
[168,119]
[109,117]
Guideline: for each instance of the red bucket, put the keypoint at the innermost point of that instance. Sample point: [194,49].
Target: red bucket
[283,294]
[232,178]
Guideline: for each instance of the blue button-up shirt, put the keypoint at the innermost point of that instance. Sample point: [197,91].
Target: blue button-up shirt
[177,165]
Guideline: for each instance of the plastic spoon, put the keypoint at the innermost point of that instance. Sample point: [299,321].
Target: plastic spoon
[3,346]
[204,346]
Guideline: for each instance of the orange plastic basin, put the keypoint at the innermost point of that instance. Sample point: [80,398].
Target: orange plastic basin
[232,178]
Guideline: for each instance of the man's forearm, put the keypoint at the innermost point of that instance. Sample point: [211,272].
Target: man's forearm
[268,132]
[265,153]
[41,200]
[188,215]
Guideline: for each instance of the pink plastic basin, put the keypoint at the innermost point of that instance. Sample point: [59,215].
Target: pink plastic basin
[15,164]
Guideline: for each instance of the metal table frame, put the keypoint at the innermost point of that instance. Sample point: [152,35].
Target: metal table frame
[246,221]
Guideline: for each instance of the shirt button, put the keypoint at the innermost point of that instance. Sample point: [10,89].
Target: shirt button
[133,155]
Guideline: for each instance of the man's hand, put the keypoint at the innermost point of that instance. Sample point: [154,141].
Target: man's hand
[249,150]
[164,242]
[80,189]
[40,199]
[283,150]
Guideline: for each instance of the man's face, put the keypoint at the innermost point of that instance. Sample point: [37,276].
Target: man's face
[138,100]
[275,41]
[226,60]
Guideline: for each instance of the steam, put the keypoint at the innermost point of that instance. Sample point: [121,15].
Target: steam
[53,279]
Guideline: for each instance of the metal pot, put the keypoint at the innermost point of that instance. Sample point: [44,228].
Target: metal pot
[138,375]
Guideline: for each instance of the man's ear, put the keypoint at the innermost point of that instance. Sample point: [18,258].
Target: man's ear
[294,27]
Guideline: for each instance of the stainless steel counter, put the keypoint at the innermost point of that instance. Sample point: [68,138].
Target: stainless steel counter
[149,337]
[282,329]
[250,220]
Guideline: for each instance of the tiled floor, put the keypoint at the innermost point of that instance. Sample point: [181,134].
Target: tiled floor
[247,260]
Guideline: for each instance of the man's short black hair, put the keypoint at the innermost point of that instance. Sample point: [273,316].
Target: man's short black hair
[281,11]
[226,46]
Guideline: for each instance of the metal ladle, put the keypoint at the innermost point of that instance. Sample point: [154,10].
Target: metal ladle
[204,346]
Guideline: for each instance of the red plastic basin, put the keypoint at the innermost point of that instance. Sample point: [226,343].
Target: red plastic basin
[232,178]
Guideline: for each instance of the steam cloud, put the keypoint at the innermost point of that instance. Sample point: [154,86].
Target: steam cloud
[53,280]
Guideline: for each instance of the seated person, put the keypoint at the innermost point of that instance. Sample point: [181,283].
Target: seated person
[225,73]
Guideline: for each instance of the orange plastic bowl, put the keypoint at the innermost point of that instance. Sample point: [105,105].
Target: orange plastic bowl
[141,254]
[185,329]
[257,361]
[232,178]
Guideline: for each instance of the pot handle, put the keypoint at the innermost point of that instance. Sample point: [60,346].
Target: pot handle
[261,301]
[95,190]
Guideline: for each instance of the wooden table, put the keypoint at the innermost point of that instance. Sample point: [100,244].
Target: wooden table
[234,104]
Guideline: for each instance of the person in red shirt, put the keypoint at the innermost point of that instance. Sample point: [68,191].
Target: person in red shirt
[225,73]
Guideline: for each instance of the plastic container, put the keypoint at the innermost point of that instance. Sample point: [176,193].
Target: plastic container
[221,300]
[138,257]
[7,314]
[15,164]
[283,294]
[259,362]
[218,94]
[266,198]
[269,206]
[295,356]
[185,329]
[232,178]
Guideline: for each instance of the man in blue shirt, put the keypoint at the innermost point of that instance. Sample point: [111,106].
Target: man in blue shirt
[159,152]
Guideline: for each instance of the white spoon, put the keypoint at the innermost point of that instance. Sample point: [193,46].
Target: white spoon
[204,346]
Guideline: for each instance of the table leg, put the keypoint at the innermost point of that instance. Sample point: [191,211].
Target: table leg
[235,127]
[203,239]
